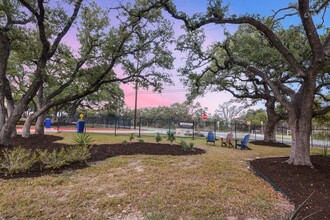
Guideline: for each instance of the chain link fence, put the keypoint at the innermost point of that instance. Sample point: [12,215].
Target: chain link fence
[192,128]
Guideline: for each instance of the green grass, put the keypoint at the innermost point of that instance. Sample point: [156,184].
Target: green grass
[214,185]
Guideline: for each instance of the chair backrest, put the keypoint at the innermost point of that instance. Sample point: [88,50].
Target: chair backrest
[229,137]
[246,139]
[210,136]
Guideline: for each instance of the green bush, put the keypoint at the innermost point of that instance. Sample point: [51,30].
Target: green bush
[17,160]
[78,154]
[82,139]
[158,138]
[125,142]
[53,160]
[141,141]
[171,137]
[185,146]
[191,145]
[131,137]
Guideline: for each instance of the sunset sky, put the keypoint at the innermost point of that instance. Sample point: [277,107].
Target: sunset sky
[177,93]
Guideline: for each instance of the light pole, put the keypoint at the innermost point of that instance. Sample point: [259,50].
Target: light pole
[136,88]
[262,127]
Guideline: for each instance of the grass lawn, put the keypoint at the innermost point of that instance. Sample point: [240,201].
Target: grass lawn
[214,185]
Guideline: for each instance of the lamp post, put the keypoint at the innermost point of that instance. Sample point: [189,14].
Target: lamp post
[262,127]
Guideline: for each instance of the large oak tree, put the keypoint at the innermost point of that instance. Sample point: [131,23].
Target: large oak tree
[102,47]
[307,74]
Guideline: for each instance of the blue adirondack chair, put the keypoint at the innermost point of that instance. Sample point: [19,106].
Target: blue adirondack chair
[210,137]
[244,143]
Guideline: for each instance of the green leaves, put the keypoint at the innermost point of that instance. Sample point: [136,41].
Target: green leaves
[171,137]
[18,160]
[83,139]
[158,138]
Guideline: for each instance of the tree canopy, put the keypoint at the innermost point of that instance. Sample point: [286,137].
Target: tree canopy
[301,52]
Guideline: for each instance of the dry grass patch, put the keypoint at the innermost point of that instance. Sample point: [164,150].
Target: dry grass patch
[209,186]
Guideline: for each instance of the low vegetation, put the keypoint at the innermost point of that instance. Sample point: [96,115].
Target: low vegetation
[18,160]
[158,138]
[21,160]
[185,146]
[214,185]
[171,137]
[82,139]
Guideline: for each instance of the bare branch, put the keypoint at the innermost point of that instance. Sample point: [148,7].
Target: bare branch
[66,28]
[322,111]
[286,15]
[324,5]
[271,36]
[30,8]
[311,33]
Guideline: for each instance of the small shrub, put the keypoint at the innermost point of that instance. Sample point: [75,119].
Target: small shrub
[82,139]
[191,145]
[141,141]
[324,151]
[158,138]
[125,142]
[171,137]
[17,160]
[53,160]
[185,146]
[78,154]
[131,137]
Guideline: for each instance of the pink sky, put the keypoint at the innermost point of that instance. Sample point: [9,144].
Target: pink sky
[152,99]
[210,100]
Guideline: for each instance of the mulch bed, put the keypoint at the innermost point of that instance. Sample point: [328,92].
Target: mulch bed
[270,144]
[98,152]
[299,182]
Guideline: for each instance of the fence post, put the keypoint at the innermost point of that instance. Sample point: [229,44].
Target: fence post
[58,124]
[282,133]
[312,137]
[255,133]
[215,130]
[235,131]
[115,125]
[193,130]
[139,126]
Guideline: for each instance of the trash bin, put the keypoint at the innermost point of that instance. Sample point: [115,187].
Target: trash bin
[80,126]
[48,123]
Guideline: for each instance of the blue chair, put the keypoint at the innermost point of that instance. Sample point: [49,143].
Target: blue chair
[210,137]
[244,143]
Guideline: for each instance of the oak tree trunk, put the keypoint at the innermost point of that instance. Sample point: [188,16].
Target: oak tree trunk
[40,125]
[272,119]
[300,150]
[40,128]
[73,110]
[270,131]
[26,133]
[4,55]
[300,122]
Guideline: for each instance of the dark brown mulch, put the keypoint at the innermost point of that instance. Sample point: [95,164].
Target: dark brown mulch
[98,152]
[271,144]
[299,182]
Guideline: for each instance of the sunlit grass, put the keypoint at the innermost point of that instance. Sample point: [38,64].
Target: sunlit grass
[209,186]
